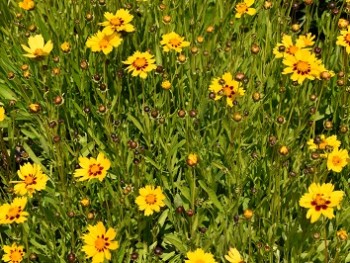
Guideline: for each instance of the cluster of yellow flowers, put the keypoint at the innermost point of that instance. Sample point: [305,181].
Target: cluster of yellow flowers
[299,60]
[344,39]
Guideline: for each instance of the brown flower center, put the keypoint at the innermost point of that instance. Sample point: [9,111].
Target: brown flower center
[175,42]
[347,38]
[242,8]
[95,169]
[39,52]
[320,202]
[30,179]
[140,63]
[151,199]
[228,91]
[116,21]
[16,256]
[14,213]
[302,67]
[101,243]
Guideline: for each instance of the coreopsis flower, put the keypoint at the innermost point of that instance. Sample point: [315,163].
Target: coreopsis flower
[199,256]
[342,234]
[92,168]
[14,212]
[2,113]
[321,200]
[306,40]
[27,5]
[13,253]
[34,107]
[65,47]
[150,199]
[140,63]
[337,160]
[173,41]
[37,48]
[98,243]
[234,256]
[325,142]
[118,22]
[245,8]
[344,39]
[228,87]
[303,65]
[103,42]
[192,159]
[287,47]
[33,179]
[166,84]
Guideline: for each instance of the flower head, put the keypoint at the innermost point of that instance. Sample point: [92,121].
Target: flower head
[287,47]
[27,5]
[234,256]
[92,168]
[228,87]
[342,234]
[245,8]
[321,200]
[37,48]
[173,41]
[118,22]
[2,113]
[14,212]
[344,39]
[103,42]
[166,84]
[13,253]
[33,179]
[98,243]
[325,142]
[199,256]
[150,199]
[306,40]
[337,160]
[140,63]
[65,47]
[192,159]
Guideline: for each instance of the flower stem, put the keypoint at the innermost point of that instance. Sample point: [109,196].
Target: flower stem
[325,243]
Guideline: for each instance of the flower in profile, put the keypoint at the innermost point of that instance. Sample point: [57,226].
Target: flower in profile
[342,234]
[27,5]
[303,65]
[306,40]
[37,48]
[321,200]
[150,199]
[324,143]
[234,256]
[228,87]
[199,256]
[33,179]
[118,22]
[173,41]
[13,253]
[103,42]
[337,160]
[92,168]
[140,63]
[245,8]
[287,47]
[2,113]
[344,39]
[14,212]
[192,159]
[98,243]
[166,84]
[65,47]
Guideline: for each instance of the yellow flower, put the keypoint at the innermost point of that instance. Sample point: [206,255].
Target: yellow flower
[2,113]
[342,234]
[33,179]
[228,87]
[103,42]
[150,199]
[37,47]
[287,47]
[34,107]
[85,202]
[320,200]
[13,212]
[140,63]
[199,256]
[306,40]
[173,41]
[166,84]
[303,65]
[325,142]
[118,22]
[98,243]
[337,160]
[233,256]
[192,159]
[27,5]
[245,8]
[65,47]
[92,168]
[13,253]
[344,39]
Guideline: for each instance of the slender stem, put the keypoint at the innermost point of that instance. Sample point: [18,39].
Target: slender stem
[325,243]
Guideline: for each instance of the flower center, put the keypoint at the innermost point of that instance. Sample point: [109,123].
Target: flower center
[30,179]
[140,63]
[14,212]
[228,91]
[104,43]
[16,256]
[38,52]
[242,8]
[95,169]
[292,50]
[101,243]
[117,21]
[302,67]
[347,38]
[320,202]
[336,160]
[151,199]
[175,42]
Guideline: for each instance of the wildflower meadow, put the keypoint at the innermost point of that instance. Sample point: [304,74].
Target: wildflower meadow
[174,131]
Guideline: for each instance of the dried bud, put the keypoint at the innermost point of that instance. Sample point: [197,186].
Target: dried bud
[255,49]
